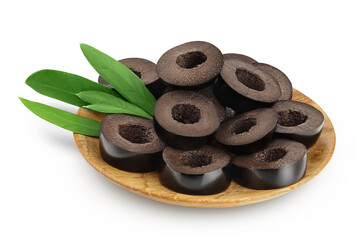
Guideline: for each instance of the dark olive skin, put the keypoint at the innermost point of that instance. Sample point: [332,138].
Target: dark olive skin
[307,140]
[129,161]
[262,179]
[180,142]
[156,88]
[202,184]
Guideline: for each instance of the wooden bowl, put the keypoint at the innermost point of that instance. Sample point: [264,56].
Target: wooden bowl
[148,184]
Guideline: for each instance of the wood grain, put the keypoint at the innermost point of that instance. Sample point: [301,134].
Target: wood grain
[148,185]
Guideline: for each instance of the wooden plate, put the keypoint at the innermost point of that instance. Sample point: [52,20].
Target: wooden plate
[148,185]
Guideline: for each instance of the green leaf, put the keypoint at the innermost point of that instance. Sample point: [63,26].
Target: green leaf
[64,86]
[106,103]
[112,109]
[66,120]
[121,78]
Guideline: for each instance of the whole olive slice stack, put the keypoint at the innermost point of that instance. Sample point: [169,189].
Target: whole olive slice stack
[217,117]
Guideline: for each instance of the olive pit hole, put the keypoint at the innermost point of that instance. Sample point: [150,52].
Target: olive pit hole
[185,113]
[243,125]
[270,155]
[250,80]
[135,133]
[195,159]
[191,59]
[291,118]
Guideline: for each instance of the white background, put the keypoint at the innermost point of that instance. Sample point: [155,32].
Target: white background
[48,191]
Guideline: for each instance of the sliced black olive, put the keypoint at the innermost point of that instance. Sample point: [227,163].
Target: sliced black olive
[203,171]
[185,119]
[190,66]
[280,164]
[130,143]
[298,121]
[243,87]
[248,132]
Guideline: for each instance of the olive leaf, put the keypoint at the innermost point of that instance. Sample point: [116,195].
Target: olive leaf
[120,78]
[64,86]
[106,103]
[66,120]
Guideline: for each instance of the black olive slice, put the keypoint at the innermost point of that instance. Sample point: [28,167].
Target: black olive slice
[243,87]
[298,121]
[248,132]
[283,81]
[185,119]
[280,164]
[146,71]
[203,171]
[130,143]
[191,65]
